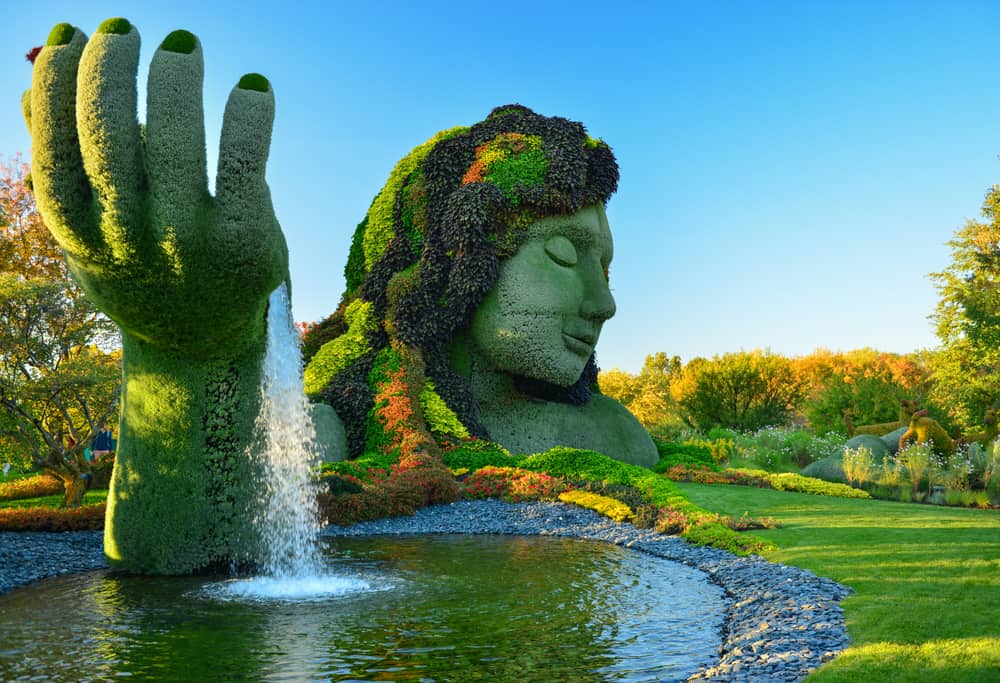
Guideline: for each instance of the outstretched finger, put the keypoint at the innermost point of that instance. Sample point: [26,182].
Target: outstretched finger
[109,131]
[60,184]
[240,186]
[175,132]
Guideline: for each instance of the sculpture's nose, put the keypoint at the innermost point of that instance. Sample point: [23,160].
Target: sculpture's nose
[598,304]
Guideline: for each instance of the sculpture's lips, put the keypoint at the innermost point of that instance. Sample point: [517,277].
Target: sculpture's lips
[582,344]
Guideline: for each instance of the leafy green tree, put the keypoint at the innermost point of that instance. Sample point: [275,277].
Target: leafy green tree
[967,318]
[60,374]
[57,385]
[869,383]
[646,395]
[743,391]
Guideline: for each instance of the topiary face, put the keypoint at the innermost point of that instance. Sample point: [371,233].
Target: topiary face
[543,317]
[517,196]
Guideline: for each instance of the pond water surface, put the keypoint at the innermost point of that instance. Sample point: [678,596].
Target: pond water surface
[421,608]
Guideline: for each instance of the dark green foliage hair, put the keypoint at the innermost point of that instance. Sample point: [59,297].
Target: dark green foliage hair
[460,206]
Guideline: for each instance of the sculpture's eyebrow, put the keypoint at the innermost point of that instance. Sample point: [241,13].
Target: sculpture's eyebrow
[586,237]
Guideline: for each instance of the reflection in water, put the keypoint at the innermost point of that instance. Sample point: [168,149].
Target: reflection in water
[444,608]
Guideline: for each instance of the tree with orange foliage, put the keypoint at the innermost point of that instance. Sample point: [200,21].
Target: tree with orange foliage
[869,383]
[60,375]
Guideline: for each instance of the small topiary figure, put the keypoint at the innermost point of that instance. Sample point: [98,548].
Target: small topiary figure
[481,275]
[906,410]
[924,429]
[185,275]
[990,431]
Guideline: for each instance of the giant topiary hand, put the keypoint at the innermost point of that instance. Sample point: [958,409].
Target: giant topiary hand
[186,276]
[175,267]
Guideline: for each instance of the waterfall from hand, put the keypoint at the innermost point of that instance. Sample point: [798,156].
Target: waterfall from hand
[287,516]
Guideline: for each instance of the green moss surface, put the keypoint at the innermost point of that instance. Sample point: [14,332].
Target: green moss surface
[254,82]
[61,34]
[115,25]
[179,41]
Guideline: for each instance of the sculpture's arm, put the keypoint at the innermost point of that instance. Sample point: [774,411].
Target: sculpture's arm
[186,275]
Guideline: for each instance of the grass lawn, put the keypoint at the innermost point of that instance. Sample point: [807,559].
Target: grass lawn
[89,498]
[926,579]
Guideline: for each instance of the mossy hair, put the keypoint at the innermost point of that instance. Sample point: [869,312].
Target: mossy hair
[430,247]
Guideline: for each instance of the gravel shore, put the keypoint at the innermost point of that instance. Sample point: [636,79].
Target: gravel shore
[782,622]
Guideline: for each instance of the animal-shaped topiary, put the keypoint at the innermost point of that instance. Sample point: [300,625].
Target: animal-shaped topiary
[906,410]
[480,273]
[989,432]
[184,274]
[924,429]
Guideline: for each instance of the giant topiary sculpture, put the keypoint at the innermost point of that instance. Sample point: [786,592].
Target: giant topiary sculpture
[476,290]
[184,274]
[477,286]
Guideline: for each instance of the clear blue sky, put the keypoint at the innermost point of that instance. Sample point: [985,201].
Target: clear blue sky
[790,171]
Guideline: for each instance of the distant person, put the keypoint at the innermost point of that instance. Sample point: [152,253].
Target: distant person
[101,446]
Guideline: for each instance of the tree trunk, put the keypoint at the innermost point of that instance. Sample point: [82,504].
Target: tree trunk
[75,486]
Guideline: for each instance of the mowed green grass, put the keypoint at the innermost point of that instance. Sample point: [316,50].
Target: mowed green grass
[926,605]
[89,498]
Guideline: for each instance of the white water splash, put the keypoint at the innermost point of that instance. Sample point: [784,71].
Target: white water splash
[288,517]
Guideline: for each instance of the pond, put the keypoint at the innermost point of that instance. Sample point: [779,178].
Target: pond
[414,608]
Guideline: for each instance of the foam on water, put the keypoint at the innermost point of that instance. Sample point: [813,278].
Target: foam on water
[289,589]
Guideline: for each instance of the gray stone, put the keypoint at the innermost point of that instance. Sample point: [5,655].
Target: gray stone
[330,435]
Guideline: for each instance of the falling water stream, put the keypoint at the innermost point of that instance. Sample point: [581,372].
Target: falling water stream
[287,517]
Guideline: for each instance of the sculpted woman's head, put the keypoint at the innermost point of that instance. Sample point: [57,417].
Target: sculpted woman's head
[487,251]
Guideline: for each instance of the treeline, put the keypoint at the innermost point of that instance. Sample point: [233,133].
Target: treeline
[749,390]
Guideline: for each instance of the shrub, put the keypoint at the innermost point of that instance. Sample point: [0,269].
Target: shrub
[892,471]
[688,453]
[660,491]
[720,450]
[31,487]
[858,464]
[916,458]
[511,484]
[609,507]
[83,518]
[778,449]
[709,532]
[475,453]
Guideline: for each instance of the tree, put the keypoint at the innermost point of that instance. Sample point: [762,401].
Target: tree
[59,375]
[967,318]
[870,383]
[744,391]
[646,395]
[26,247]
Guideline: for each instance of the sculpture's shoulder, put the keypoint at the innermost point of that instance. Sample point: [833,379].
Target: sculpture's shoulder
[620,429]
[602,424]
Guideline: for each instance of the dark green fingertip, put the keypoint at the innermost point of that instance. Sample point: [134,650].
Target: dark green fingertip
[116,25]
[254,82]
[179,41]
[60,34]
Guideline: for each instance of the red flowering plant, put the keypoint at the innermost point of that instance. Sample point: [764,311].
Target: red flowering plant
[512,484]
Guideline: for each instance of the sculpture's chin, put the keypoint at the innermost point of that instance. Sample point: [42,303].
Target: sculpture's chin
[575,392]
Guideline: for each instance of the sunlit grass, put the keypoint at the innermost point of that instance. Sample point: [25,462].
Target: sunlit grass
[89,498]
[926,578]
